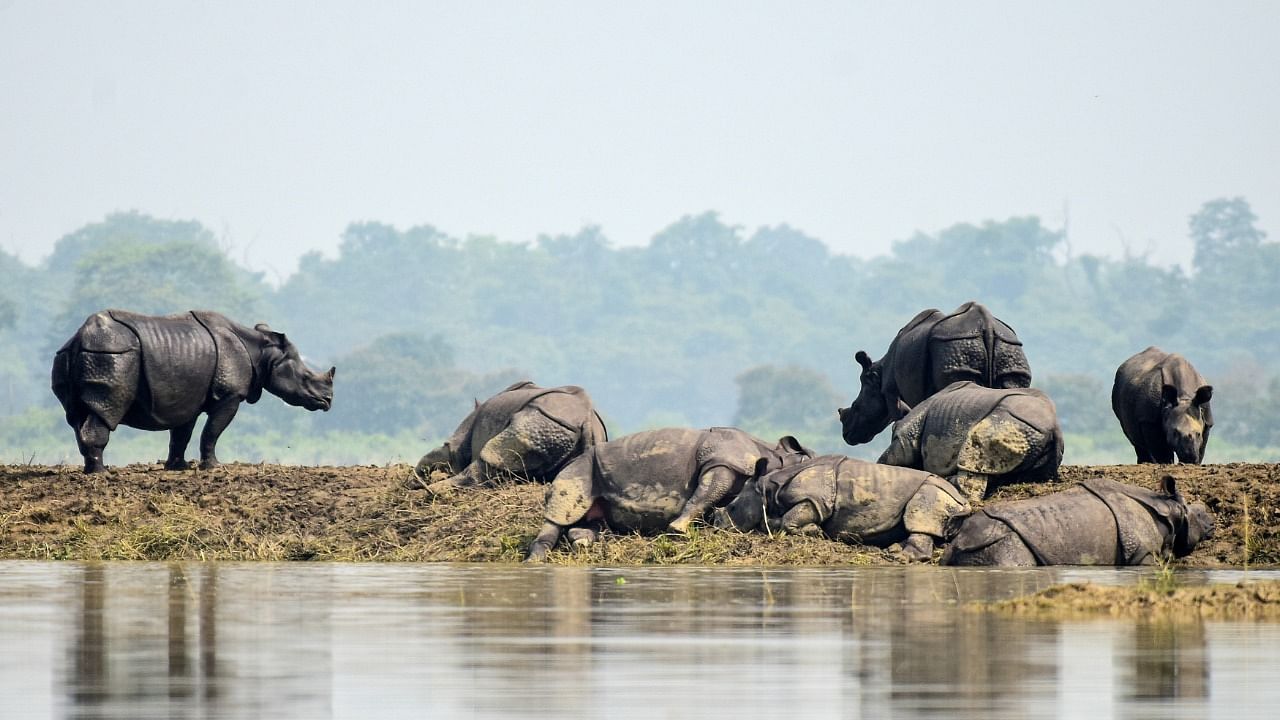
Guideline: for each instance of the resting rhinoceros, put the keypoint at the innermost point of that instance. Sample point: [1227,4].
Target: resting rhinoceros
[975,436]
[1163,407]
[1098,522]
[655,480]
[160,373]
[524,431]
[854,501]
[929,353]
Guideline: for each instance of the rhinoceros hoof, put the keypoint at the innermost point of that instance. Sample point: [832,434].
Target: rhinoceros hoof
[209,463]
[581,537]
[176,465]
[442,489]
[915,550]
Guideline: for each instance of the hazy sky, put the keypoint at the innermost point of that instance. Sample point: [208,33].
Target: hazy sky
[276,124]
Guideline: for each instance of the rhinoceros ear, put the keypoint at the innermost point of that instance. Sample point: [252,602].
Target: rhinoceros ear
[1169,395]
[1203,395]
[332,371]
[1169,486]
[863,359]
[272,338]
[903,409]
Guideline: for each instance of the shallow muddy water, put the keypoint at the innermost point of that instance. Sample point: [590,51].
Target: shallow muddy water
[485,641]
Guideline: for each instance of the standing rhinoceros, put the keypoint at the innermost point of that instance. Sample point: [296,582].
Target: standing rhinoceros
[1098,522]
[1163,407]
[656,479]
[854,501]
[160,373]
[525,431]
[931,352]
[975,435]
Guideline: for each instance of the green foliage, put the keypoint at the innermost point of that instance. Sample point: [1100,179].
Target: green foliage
[1083,402]
[798,398]
[406,382]
[159,279]
[8,313]
[707,324]
[1224,234]
[124,228]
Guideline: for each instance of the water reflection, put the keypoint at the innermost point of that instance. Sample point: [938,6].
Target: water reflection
[265,640]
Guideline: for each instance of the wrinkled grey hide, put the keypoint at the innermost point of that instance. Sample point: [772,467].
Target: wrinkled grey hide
[656,480]
[525,431]
[853,501]
[1163,407]
[980,437]
[160,373]
[1099,522]
[929,353]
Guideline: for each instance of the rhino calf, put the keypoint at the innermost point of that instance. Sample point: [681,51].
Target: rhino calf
[654,480]
[160,373]
[853,501]
[1163,407]
[978,436]
[1099,522]
[524,431]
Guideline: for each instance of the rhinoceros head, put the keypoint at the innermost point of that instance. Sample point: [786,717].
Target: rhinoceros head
[1194,526]
[289,378]
[868,414]
[1187,421]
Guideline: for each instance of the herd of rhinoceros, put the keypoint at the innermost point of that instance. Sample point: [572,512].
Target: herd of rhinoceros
[955,386]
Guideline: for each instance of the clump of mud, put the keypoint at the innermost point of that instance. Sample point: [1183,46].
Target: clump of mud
[1242,601]
[275,512]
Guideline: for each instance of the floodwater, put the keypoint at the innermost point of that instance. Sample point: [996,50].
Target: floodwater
[212,640]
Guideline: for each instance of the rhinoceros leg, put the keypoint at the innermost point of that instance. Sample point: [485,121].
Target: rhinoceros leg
[542,543]
[584,535]
[713,487]
[1157,447]
[983,540]
[973,485]
[532,445]
[996,445]
[91,438]
[745,513]
[802,518]
[220,416]
[932,515]
[179,438]
[570,499]
[469,477]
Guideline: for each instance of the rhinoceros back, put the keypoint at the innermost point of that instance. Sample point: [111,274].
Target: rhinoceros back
[1135,396]
[646,477]
[870,499]
[99,367]
[1072,527]
[568,406]
[972,344]
[949,416]
[963,431]
[178,362]
[494,414]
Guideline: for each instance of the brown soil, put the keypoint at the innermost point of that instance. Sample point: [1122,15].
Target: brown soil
[272,512]
[1152,599]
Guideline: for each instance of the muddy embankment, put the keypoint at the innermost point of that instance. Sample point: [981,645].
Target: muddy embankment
[272,512]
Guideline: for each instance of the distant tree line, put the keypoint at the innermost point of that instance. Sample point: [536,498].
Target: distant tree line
[706,325]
